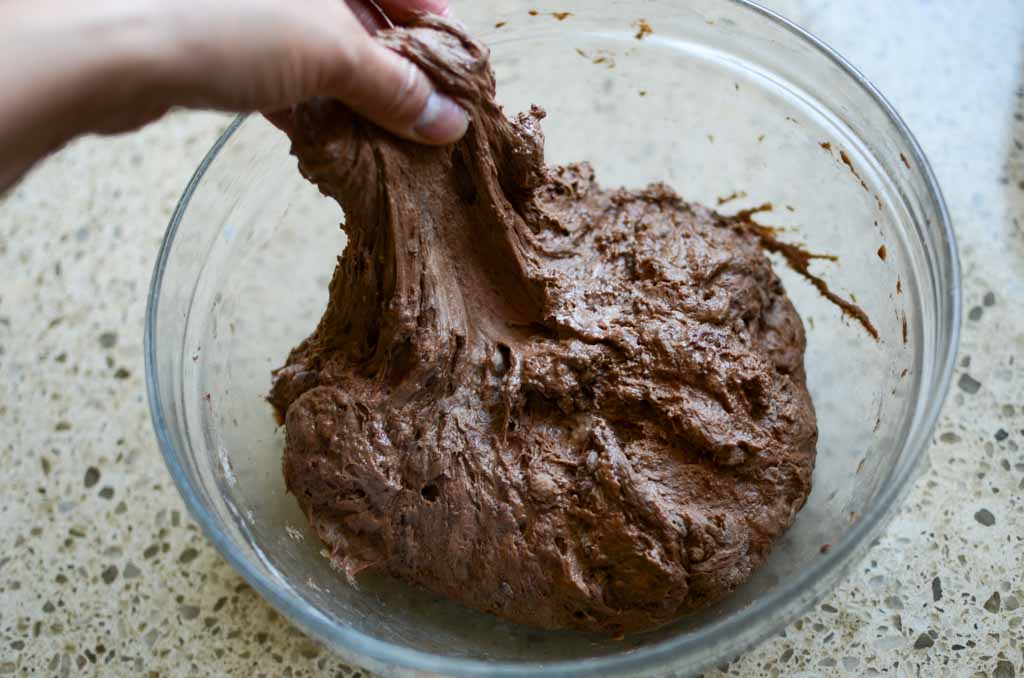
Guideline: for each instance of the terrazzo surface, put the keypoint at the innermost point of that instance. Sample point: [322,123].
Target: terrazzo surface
[103,572]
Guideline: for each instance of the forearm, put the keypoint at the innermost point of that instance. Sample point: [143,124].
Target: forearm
[68,68]
[72,68]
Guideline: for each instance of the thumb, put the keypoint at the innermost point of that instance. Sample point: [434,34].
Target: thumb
[394,93]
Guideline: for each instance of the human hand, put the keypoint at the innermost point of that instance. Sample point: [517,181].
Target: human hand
[269,54]
[113,65]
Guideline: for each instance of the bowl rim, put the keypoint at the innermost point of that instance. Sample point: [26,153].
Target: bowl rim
[735,631]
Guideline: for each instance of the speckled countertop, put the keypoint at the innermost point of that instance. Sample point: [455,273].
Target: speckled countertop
[102,571]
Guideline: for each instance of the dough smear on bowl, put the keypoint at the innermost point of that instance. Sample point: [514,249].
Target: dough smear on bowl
[567,405]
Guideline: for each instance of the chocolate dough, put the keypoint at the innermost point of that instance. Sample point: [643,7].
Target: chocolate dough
[566,405]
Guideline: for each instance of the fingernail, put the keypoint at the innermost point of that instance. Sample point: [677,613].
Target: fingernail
[442,120]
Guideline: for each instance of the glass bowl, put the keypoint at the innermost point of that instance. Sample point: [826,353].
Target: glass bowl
[732,106]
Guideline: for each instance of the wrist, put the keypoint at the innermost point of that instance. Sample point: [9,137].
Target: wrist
[125,55]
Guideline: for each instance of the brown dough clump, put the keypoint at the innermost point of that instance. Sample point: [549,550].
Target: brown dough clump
[566,405]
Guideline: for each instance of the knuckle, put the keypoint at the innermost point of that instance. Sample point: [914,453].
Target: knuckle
[339,76]
[409,98]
